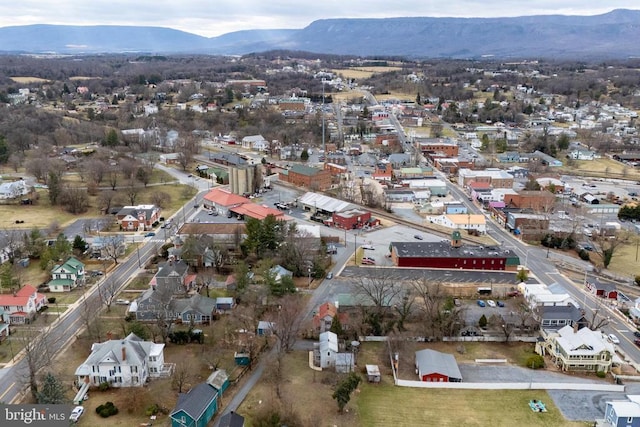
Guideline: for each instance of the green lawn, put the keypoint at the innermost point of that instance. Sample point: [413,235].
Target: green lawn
[386,405]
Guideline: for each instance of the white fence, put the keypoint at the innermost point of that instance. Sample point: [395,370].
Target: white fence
[511,386]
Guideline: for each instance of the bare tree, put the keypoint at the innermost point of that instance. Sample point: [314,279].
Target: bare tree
[597,317]
[89,310]
[107,290]
[182,375]
[113,247]
[380,287]
[162,297]
[287,321]
[132,191]
[75,200]
[105,200]
[36,344]
[439,316]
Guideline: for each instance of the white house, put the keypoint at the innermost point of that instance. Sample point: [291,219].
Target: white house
[129,362]
[67,276]
[582,155]
[22,307]
[461,222]
[577,349]
[13,189]
[540,295]
[255,142]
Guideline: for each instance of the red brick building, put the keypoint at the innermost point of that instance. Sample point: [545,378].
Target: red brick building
[540,201]
[439,148]
[353,219]
[308,177]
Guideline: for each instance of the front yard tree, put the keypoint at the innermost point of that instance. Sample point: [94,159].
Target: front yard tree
[35,347]
[52,391]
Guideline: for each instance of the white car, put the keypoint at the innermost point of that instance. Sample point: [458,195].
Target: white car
[614,339]
[76,413]
[491,303]
[368,247]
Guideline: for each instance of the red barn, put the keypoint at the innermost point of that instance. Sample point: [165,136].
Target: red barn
[433,366]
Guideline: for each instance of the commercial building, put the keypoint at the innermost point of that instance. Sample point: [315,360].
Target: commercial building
[308,177]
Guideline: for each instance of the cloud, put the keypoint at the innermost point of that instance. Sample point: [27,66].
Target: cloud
[215,17]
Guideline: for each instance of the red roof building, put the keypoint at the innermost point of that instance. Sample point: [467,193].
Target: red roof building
[259,212]
[324,317]
[22,306]
[222,200]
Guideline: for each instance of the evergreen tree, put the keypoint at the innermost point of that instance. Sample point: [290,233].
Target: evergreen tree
[342,394]
[79,245]
[52,391]
[336,326]
[304,156]
[483,321]
[54,188]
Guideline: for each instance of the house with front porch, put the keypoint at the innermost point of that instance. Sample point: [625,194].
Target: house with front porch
[67,276]
[22,306]
[573,349]
[128,362]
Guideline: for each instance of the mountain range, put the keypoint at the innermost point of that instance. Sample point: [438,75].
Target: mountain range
[613,35]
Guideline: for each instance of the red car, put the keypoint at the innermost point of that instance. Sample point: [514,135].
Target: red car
[637,342]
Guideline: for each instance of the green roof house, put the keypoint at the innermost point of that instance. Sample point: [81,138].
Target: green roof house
[67,276]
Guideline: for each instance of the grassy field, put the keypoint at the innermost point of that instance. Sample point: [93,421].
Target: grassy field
[602,168]
[27,80]
[387,405]
[363,72]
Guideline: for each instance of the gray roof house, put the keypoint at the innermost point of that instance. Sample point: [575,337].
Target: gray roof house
[231,419]
[195,408]
[196,310]
[127,362]
[173,276]
[434,366]
[559,316]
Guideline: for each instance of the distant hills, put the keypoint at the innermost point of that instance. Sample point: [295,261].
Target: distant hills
[614,35]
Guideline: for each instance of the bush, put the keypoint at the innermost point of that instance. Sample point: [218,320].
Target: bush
[483,321]
[107,410]
[51,300]
[601,374]
[152,410]
[636,280]
[104,386]
[535,362]
[584,255]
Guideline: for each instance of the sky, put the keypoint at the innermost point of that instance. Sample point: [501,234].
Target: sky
[212,18]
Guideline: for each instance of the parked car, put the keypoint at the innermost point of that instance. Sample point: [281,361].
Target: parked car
[329,276]
[120,301]
[491,303]
[150,234]
[614,339]
[457,302]
[500,304]
[368,247]
[481,303]
[417,236]
[636,334]
[368,261]
[637,342]
[76,413]
[513,294]
[368,258]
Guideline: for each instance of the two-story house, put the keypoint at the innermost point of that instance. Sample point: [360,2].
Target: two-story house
[67,276]
[174,277]
[129,362]
[573,349]
[21,307]
[323,319]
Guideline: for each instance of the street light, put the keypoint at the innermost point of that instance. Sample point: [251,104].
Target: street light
[355,248]
[309,270]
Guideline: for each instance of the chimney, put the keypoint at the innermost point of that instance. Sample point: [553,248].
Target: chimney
[575,327]
[124,353]
[109,336]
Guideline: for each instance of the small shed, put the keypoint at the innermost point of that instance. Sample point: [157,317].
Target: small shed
[224,304]
[265,328]
[373,373]
[232,419]
[242,358]
[219,380]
